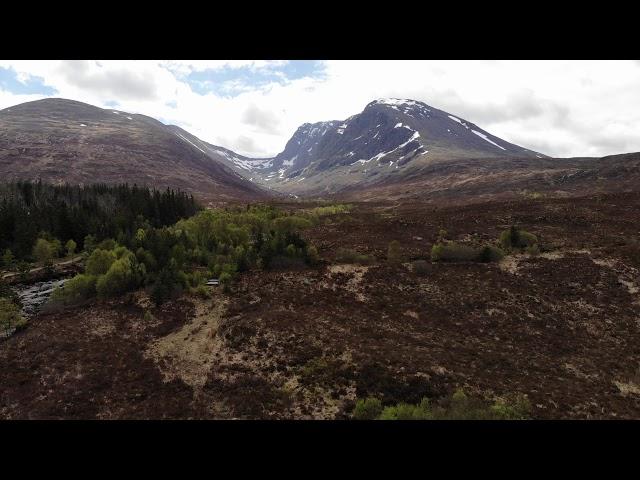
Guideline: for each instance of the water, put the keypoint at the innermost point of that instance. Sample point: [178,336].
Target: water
[35,295]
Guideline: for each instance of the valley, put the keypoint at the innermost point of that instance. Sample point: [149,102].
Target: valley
[402,263]
[560,325]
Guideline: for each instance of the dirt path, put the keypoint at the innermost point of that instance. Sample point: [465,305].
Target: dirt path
[7,276]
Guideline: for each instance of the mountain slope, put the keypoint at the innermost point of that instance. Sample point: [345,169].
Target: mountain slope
[61,140]
[390,138]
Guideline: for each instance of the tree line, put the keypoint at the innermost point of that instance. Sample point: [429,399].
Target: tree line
[61,214]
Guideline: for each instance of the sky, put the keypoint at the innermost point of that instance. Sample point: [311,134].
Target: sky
[253,107]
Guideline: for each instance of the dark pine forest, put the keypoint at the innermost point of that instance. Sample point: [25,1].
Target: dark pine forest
[31,210]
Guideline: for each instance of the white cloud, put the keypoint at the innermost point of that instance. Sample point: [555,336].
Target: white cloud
[562,108]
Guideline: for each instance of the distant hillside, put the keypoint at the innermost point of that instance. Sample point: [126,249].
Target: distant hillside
[64,141]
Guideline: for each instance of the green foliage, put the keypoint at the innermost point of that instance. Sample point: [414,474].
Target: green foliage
[225,281]
[86,214]
[123,275]
[147,259]
[347,255]
[107,244]
[329,210]
[517,239]
[312,255]
[393,253]
[518,408]
[79,288]
[44,251]
[23,269]
[533,250]
[225,241]
[168,283]
[489,253]
[7,259]
[7,292]
[458,406]
[202,291]
[10,317]
[99,262]
[405,411]
[457,252]
[367,409]
[70,247]
[90,243]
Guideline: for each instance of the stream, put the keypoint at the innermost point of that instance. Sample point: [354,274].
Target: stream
[35,295]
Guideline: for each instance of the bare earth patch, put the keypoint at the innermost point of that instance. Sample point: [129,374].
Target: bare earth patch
[188,354]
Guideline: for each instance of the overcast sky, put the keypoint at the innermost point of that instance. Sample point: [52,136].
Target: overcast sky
[560,108]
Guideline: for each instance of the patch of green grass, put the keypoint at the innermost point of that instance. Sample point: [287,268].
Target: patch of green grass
[329,210]
[458,406]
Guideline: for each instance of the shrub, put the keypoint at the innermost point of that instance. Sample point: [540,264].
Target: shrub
[458,406]
[490,253]
[453,252]
[405,411]
[347,255]
[164,286]
[225,281]
[89,243]
[312,255]
[79,288]
[43,250]
[519,408]
[533,250]
[107,244]
[393,253]
[457,252]
[147,259]
[516,239]
[7,259]
[420,267]
[10,317]
[7,292]
[201,291]
[462,407]
[367,409]
[71,246]
[329,210]
[23,268]
[99,262]
[121,277]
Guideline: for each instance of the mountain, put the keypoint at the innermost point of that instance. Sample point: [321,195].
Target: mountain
[393,149]
[391,138]
[65,141]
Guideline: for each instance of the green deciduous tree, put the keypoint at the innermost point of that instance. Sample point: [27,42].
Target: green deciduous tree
[43,250]
[71,246]
[99,262]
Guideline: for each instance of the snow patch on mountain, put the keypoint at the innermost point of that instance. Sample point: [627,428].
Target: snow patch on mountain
[484,137]
[459,121]
[189,141]
[288,163]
